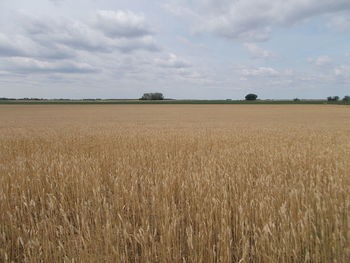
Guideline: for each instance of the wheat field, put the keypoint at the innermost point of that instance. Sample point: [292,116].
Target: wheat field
[174,183]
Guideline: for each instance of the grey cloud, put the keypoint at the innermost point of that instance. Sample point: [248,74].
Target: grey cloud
[252,20]
[21,46]
[77,35]
[8,49]
[42,44]
[33,25]
[71,33]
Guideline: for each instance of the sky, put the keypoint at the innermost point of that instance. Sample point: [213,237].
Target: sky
[194,49]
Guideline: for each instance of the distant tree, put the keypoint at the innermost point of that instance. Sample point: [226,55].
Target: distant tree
[334,98]
[251,96]
[296,99]
[346,98]
[152,96]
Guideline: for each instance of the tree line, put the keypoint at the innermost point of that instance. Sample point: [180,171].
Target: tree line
[250,96]
[160,96]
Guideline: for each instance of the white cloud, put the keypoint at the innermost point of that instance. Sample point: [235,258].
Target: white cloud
[321,61]
[342,71]
[258,72]
[340,23]
[190,43]
[30,65]
[257,52]
[179,10]
[121,24]
[173,61]
[288,72]
[57,2]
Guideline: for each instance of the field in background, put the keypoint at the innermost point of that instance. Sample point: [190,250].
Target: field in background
[174,183]
[205,102]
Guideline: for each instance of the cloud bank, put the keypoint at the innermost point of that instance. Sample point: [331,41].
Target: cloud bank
[186,49]
[253,20]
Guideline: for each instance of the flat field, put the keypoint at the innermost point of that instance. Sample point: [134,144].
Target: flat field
[174,183]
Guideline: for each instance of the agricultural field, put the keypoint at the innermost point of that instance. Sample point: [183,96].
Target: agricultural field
[166,101]
[174,183]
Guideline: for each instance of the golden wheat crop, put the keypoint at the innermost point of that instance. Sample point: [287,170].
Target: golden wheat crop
[163,183]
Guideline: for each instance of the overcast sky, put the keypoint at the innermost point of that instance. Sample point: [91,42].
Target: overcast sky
[203,49]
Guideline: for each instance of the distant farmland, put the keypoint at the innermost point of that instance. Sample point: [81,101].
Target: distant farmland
[174,183]
[93,101]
